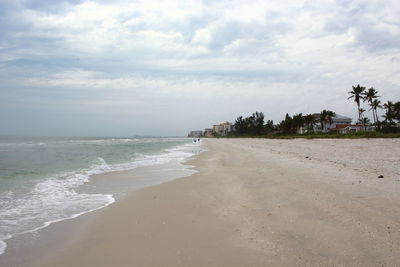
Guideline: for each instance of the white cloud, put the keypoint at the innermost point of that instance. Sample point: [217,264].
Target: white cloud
[305,54]
[202,36]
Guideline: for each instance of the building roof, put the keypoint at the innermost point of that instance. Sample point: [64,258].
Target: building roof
[354,125]
[340,126]
[341,117]
[337,117]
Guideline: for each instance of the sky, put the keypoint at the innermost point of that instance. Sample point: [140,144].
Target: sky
[125,68]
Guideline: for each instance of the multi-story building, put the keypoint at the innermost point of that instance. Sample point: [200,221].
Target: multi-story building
[223,129]
[208,132]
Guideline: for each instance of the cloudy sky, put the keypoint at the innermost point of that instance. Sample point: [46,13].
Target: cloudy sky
[125,68]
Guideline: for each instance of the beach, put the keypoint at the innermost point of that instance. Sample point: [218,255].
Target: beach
[251,202]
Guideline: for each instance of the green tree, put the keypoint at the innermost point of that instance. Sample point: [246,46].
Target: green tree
[376,103]
[390,113]
[396,111]
[309,121]
[269,126]
[286,126]
[258,123]
[369,96]
[365,122]
[357,94]
[326,116]
[239,126]
[361,112]
[298,121]
[252,125]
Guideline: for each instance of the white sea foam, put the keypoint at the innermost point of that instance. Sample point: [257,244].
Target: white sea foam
[51,200]
[108,141]
[3,245]
[22,144]
[55,199]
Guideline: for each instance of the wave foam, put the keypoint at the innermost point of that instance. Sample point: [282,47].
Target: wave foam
[55,198]
[22,144]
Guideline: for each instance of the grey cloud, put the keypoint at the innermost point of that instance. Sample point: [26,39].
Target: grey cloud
[233,30]
[362,19]
[276,65]
[377,40]
[50,6]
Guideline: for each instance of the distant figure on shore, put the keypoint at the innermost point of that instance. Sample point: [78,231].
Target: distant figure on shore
[194,141]
[198,140]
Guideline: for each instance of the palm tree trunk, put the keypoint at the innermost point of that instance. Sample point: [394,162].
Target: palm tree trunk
[373,111]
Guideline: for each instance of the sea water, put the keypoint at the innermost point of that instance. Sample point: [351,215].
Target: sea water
[40,177]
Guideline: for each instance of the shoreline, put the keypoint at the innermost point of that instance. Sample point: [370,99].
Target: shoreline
[47,180]
[174,220]
[116,184]
[252,203]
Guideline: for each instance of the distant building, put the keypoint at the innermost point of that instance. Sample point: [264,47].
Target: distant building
[338,122]
[356,128]
[222,129]
[217,129]
[227,127]
[208,132]
[195,134]
[351,128]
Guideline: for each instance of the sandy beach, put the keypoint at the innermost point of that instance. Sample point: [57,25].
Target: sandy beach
[253,202]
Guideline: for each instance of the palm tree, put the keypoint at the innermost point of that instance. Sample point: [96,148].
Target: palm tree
[388,106]
[396,110]
[376,103]
[389,115]
[370,96]
[330,115]
[269,126]
[356,93]
[324,117]
[361,112]
[298,121]
[365,121]
[309,120]
[286,125]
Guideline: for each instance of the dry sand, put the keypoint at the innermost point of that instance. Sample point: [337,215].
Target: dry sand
[256,202]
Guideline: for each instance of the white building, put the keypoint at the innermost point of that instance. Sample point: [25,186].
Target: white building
[223,129]
[338,122]
[351,128]
[208,132]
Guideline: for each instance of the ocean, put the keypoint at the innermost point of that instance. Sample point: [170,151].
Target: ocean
[44,179]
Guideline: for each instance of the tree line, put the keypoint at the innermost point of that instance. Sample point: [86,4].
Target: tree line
[370,97]
[254,125]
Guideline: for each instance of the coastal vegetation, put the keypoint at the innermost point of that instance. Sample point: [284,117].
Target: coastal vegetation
[315,125]
[354,135]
